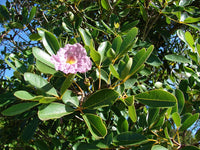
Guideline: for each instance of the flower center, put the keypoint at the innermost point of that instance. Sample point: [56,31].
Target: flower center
[71,60]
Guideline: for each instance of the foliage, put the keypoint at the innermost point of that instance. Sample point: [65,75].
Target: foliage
[141,93]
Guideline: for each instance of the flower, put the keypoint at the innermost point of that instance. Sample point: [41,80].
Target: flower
[72,59]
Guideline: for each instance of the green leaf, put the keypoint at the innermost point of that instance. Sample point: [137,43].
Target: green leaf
[152,115]
[40,83]
[181,35]
[128,41]
[130,138]
[125,68]
[70,98]
[181,100]
[35,37]
[106,4]
[177,119]
[156,98]
[191,20]
[49,40]
[96,57]
[23,95]
[67,83]
[122,125]
[103,48]
[101,98]
[4,12]
[158,147]
[177,58]
[129,101]
[190,40]
[43,57]
[46,100]
[95,125]
[139,59]
[104,75]
[114,71]
[19,108]
[86,37]
[143,12]
[132,113]
[154,60]
[14,25]
[189,121]
[32,14]
[54,110]
[116,44]
[44,68]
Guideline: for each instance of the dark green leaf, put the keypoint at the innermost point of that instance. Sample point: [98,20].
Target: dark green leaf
[32,14]
[4,12]
[101,98]
[181,100]
[54,111]
[189,121]
[67,83]
[35,37]
[152,115]
[190,148]
[122,125]
[154,60]
[128,41]
[29,130]
[129,101]
[14,25]
[86,37]
[156,98]
[95,125]
[49,40]
[19,108]
[130,138]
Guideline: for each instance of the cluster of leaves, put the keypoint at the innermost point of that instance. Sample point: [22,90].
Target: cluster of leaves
[141,93]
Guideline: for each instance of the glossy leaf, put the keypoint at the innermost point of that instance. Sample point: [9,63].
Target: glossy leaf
[153,60]
[132,113]
[101,98]
[67,83]
[130,138]
[19,108]
[190,40]
[177,58]
[43,57]
[95,125]
[156,98]
[116,44]
[139,59]
[23,95]
[181,100]
[40,83]
[54,110]
[86,37]
[96,57]
[128,41]
[177,119]
[44,68]
[114,71]
[70,98]
[49,40]
[106,4]
[189,121]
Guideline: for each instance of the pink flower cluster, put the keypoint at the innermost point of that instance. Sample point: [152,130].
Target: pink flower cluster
[72,59]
